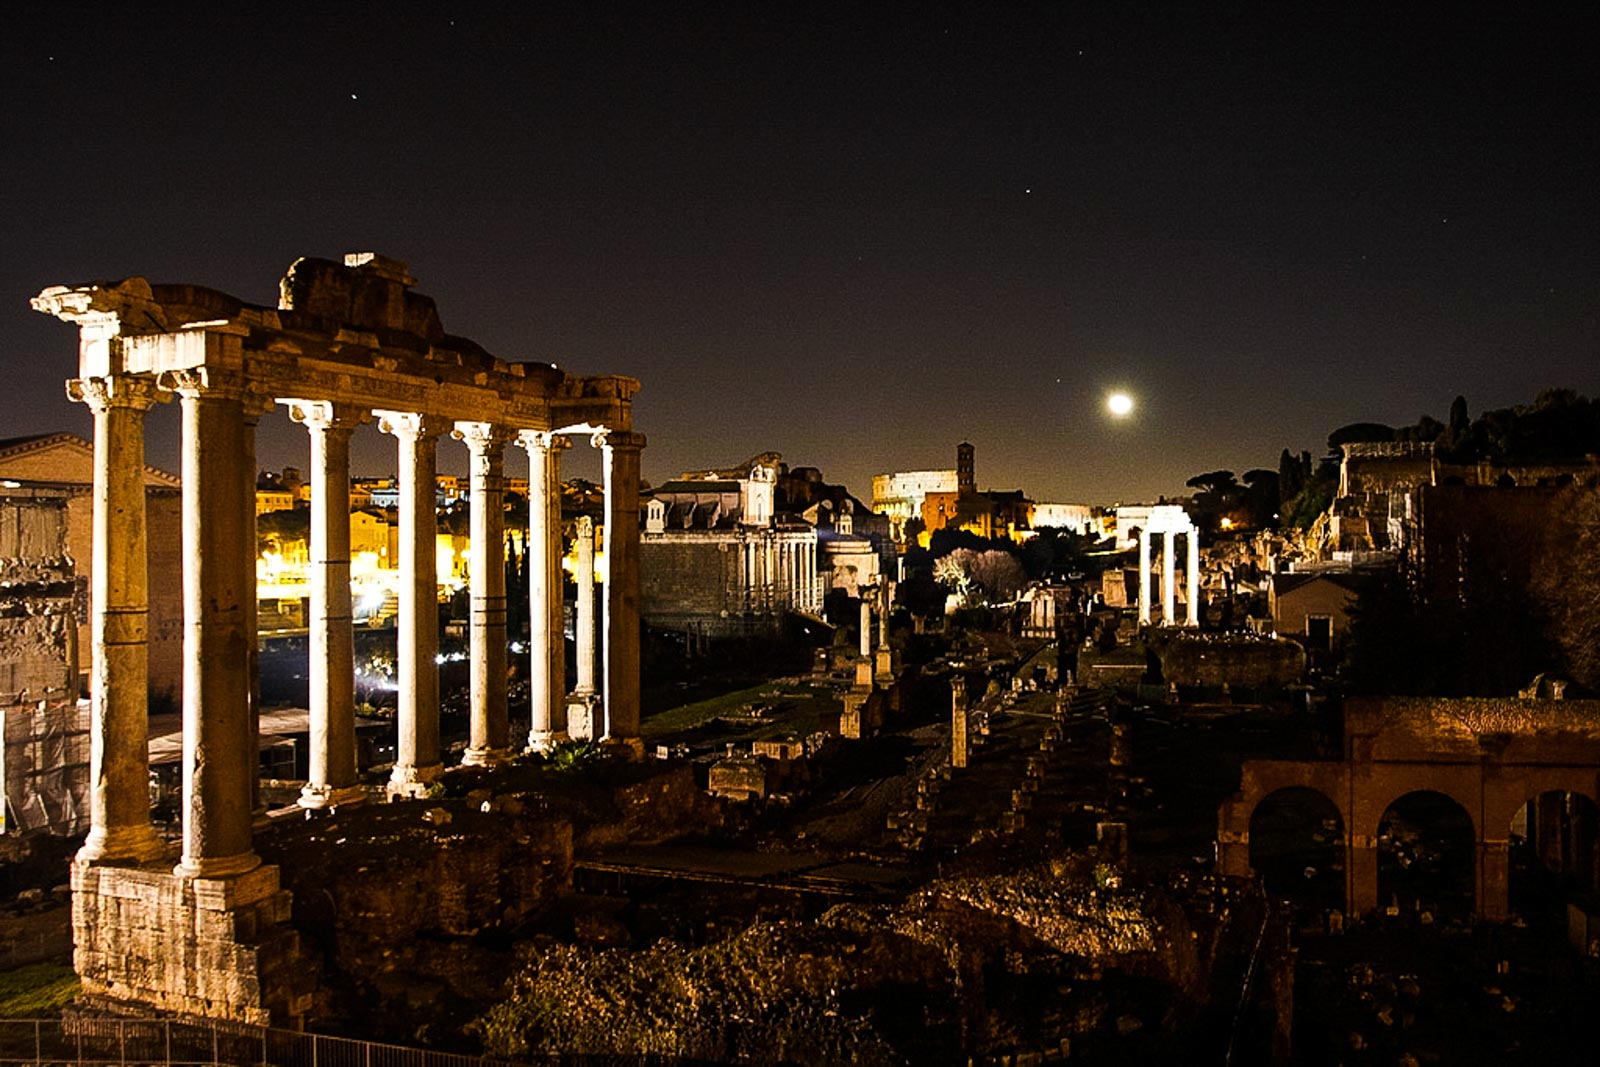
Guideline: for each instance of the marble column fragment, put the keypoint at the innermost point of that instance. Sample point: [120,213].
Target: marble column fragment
[119,795]
[417,762]
[489,732]
[332,778]
[218,579]
[621,452]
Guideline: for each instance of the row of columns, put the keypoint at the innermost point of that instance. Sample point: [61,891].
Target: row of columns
[1169,574]
[780,572]
[220,760]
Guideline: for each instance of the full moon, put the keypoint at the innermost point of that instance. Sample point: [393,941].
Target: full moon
[1119,404]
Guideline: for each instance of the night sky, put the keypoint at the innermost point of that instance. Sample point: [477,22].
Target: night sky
[856,238]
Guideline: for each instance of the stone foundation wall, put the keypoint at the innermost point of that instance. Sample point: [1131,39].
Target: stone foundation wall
[214,947]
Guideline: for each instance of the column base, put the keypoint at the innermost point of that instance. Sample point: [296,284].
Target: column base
[484,757]
[410,783]
[121,845]
[331,796]
[216,866]
[220,948]
[585,721]
[545,740]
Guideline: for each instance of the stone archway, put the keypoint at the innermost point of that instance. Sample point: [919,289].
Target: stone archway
[1426,856]
[1297,847]
[1552,853]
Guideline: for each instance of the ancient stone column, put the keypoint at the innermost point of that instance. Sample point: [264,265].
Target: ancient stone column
[417,763]
[489,737]
[119,748]
[584,573]
[621,450]
[1144,577]
[1193,537]
[218,579]
[547,689]
[331,639]
[885,606]
[1169,578]
[865,637]
[255,406]
[958,721]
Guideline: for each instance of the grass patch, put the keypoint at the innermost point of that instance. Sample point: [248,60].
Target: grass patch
[37,991]
[800,707]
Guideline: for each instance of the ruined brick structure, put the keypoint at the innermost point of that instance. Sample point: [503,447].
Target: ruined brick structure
[43,734]
[1490,756]
[66,460]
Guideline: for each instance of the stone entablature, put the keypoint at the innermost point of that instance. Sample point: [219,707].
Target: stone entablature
[347,344]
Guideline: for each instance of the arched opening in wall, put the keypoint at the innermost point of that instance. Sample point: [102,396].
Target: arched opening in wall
[1426,847]
[1297,848]
[1553,857]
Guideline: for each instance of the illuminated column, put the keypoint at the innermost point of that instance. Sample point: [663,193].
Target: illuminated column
[217,581]
[1144,577]
[885,603]
[584,573]
[332,670]
[769,568]
[621,450]
[1169,577]
[417,764]
[1193,537]
[255,406]
[119,747]
[866,622]
[489,732]
[547,688]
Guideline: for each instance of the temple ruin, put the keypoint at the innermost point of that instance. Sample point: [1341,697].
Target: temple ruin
[348,342]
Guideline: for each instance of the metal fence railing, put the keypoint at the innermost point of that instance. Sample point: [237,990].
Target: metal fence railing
[181,1043]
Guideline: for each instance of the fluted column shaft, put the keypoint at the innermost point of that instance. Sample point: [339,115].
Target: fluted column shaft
[1169,577]
[119,750]
[864,639]
[417,762]
[621,451]
[332,778]
[489,734]
[1144,577]
[1193,537]
[218,579]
